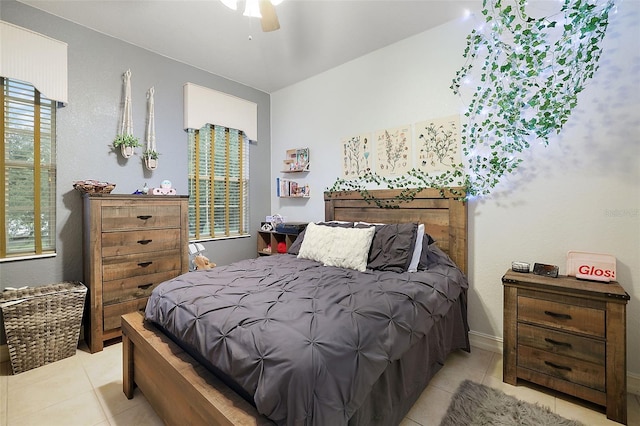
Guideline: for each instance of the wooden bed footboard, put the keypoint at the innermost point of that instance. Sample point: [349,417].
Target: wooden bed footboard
[181,390]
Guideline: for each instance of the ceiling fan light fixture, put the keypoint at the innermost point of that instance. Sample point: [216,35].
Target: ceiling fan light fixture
[252,9]
[262,9]
[231,4]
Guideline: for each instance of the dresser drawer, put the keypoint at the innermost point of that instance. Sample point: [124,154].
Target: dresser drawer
[583,348]
[133,265]
[133,287]
[566,368]
[562,316]
[140,216]
[112,313]
[130,242]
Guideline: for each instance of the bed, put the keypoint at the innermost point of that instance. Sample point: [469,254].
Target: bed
[365,387]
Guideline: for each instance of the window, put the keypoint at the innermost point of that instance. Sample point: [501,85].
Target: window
[218,183]
[28,164]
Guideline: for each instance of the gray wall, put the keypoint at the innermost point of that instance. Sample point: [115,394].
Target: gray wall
[90,121]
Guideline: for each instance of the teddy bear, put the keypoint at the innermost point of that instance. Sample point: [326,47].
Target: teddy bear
[202,262]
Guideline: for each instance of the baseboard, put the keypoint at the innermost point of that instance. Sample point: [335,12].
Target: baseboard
[485,341]
[495,344]
[633,383]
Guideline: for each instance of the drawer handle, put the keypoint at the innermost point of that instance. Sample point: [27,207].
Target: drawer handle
[145,286]
[144,264]
[556,366]
[144,242]
[145,217]
[556,315]
[556,343]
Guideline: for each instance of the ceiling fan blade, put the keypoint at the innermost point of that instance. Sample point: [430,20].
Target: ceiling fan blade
[269,19]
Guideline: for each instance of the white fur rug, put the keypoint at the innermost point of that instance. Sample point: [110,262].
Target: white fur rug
[475,404]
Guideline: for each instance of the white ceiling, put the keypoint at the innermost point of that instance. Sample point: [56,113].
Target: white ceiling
[315,35]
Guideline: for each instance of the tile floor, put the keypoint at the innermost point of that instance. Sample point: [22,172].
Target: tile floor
[87,390]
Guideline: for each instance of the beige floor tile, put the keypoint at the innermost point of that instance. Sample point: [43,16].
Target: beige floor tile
[591,414]
[495,366]
[587,413]
[114,401]
[26,396]
[140,415]
[450,377]
[633,410]
[477,359]
[81,410]
[431,407]
[64,367]
[4,391]
[104,367]
[408,422]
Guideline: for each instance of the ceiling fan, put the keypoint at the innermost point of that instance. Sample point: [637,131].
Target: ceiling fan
[263,9]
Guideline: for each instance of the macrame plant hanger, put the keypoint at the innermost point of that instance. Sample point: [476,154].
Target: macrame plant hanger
[151,154]
[126,126]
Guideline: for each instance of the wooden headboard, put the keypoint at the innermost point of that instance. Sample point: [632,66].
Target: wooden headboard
[444,216]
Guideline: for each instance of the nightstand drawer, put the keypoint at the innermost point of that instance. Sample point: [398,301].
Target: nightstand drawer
[130,242]
[566,368]
[140,216]
[562,316]
[583,348]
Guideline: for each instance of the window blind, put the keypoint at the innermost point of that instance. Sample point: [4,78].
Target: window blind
[28,164]
[218,182]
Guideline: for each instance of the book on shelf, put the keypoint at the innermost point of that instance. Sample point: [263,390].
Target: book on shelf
[290,188]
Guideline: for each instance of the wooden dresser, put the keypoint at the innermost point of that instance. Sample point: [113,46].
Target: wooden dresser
[568,335]
[132,243]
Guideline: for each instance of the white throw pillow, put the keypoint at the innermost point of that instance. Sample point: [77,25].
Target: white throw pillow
[417,249]
[335,246]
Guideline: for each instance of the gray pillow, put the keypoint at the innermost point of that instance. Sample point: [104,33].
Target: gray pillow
[392,247]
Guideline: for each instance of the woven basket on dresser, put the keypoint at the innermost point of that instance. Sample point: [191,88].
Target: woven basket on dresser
[42,324]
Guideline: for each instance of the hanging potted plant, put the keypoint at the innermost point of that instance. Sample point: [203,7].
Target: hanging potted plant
[126,143]
[151,159]
[150,154]
[125,139]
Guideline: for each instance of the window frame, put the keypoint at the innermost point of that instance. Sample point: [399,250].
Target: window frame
[17,106]
[202,220]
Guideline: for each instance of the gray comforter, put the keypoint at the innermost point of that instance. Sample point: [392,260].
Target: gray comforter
[306,341]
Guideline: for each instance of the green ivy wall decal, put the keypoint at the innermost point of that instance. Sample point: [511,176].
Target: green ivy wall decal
[531,70]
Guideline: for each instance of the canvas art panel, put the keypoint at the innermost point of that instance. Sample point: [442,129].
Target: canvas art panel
[394,151]
[438,144]
[356,155]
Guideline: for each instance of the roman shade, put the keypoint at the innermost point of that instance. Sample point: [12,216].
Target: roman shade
[31,57]
[207,106]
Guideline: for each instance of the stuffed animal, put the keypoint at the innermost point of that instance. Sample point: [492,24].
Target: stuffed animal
[202,262]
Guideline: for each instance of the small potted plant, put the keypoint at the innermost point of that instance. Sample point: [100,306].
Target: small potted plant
[127,143]
[151,158]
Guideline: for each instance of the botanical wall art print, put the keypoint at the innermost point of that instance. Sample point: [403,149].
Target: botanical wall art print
[393,151]
[438,144]
[357,158]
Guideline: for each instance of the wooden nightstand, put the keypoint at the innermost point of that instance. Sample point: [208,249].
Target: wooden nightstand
[568,335]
